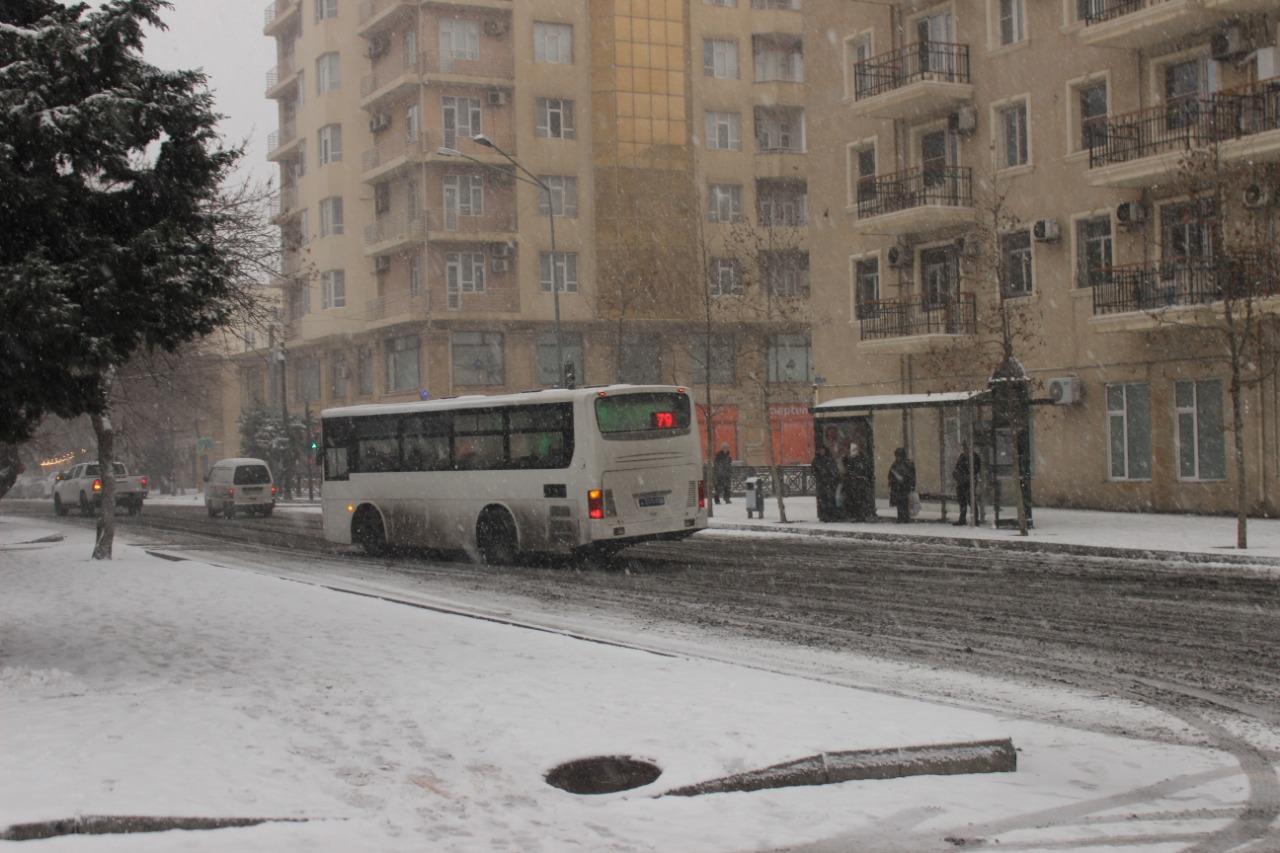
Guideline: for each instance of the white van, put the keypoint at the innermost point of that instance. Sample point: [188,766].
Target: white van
[235,485]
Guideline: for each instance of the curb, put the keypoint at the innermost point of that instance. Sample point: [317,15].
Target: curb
[1028,546]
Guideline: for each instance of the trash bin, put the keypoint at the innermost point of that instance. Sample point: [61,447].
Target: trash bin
[755,496]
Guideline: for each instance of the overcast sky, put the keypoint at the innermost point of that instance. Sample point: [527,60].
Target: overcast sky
[224,38]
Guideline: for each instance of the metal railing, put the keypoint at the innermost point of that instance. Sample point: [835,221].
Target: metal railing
[284,200]
[927,60]
[1187,123]
[275,10]
[277,139]
[1155,285]
[904,318]
[398,228]
[398,305]
[385,72]
[494,65]
[392,144]
[796,479]
[369,9]
[447,219]
[1099,11]
[948,186]
[283,71]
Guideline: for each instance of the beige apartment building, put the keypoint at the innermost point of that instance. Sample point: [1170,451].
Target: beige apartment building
[1046,140]
[667,137]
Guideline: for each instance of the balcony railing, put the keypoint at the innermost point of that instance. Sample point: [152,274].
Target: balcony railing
[933,60]
[946,186]
[905,318]
[457,62]
[276,9]
[1186,124]
[397,305]
[285,200]
[280,73]
[370,9]
[385,72]
[446,219]
[395,228]
[1183,282]
[277,139]
[1098,11]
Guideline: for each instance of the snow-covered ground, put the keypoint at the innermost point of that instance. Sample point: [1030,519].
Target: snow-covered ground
[147,686]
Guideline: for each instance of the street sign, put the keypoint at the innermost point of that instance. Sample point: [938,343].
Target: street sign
[203,444]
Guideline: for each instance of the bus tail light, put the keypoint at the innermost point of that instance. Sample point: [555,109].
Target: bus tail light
[143,482]
[702,494]
[97,485]
[273,491]
[595,504]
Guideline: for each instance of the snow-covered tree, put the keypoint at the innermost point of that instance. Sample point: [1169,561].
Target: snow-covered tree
[109,169]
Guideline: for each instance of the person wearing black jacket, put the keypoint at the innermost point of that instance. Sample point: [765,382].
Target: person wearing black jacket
[902,482]
[968,461]
[827,476]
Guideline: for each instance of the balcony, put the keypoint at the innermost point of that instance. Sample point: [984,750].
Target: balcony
[915,82]
[390,80]
[393,233]
[457,67]
[1146,146]
[281,143]
[492,226]
[1145,291]
[279,15]
[916,200]
[378,16]
[916,325]
[397,308]
[392,152]
[282,81]
[283,204]
[1140,24]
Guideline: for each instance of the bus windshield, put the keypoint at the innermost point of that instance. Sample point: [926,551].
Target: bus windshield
[648,415]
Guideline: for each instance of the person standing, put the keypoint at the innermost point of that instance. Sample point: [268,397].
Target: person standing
[968,461]
[722,472]
[902,482]
[826,476]
[857,485]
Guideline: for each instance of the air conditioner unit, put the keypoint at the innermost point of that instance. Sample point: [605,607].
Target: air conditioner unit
[378,47]
[1045,230]
[496,27]
[1130,213]
[501,250]
[963,121]
[499,265]
[379,122]
[1256,195]
[1228,42]
[899,257]
[382,264]
[1064,390]
[497,97]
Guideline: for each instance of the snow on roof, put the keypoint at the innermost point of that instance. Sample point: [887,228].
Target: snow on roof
[897,401]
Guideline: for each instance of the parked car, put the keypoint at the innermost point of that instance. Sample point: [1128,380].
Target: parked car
[239,485]
[37,486]
[82,486]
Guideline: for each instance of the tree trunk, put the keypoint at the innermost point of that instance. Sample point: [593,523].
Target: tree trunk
[10,467]
[106,472]
[774,471]
[1237,426]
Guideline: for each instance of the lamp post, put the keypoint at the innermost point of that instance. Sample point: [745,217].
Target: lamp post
[481,139]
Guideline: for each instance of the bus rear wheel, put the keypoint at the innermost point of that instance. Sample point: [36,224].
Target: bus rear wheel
[368,533]
[496,537]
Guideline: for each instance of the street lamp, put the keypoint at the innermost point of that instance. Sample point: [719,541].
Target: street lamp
[481,139]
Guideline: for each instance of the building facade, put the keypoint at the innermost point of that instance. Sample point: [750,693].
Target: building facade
[662,142]
[1037,160]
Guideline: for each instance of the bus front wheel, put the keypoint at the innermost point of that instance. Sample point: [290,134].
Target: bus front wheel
[496,537]
[368,533]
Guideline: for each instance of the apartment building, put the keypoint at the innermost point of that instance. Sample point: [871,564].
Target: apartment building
[654,139]
[1041,147]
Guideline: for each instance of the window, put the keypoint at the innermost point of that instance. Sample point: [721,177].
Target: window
[785,272]
[859,80]
[328,73]
[720,59]
[553,43]
[304,228]
[782,203]
[1093,115]
[775,4]
[1090,10]
[382,198]
[640,362]
[724,203]
[1013,21]
[326,9]
[1129,431]
[339,373]
[862,165]
[412,123]
[564,196]
[461,119]
[726,277]
[1185,83]
[412,209]
[463,196]
[724,131]
[415,275]
[459,40]
[251,386]
[410,46]
[1015,263]
[1202,452]
[1013,135]
[309,380]
[364,368]
[866,286]
[300,300]
[1093,249]
[730,4]
[299,163]
[330,144]
[555,118]
[940,275]
[330,216]
[464,272]
[477,358]
[402,363]
[777,60]
[723,354]
[779,129]
[571,348]
[335,288]
[1188,230]
[565,271]
[789,357]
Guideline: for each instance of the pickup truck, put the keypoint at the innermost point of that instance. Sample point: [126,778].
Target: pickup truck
[82,487]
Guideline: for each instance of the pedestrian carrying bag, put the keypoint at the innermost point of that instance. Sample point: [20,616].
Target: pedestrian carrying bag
[913,503]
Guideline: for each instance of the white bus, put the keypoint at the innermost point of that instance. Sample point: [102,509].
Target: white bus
[541,471]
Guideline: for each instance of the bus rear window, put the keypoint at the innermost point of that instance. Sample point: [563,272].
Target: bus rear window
[650,414]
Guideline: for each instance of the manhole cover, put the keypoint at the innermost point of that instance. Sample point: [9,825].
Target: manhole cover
[603,774]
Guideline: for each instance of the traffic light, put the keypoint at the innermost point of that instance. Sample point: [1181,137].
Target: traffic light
[315,442]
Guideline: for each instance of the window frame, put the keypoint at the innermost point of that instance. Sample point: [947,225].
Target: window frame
[720,194]
[394,346]
[329,143]
[567,263]
[563,187]
[1080,221]
[480,341]
[1123,414]
[331,216]
[777,348]
[1027,275]
[1196,412]
[552,34]
[562,109]
[1018,107]
[716,56]
[328,72]
[731,122]
[333,289]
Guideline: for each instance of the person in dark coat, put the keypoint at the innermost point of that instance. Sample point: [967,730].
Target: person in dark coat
[826,476]
[858,498]
[960,476]
[722,472]
[902,482]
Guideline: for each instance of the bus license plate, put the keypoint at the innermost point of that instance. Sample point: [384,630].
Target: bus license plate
[652,500]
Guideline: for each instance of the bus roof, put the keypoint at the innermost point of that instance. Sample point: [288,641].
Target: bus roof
[485,401]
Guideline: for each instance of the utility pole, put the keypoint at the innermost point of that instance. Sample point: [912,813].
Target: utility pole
[284,420]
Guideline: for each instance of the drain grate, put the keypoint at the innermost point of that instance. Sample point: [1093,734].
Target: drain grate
[604,774]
